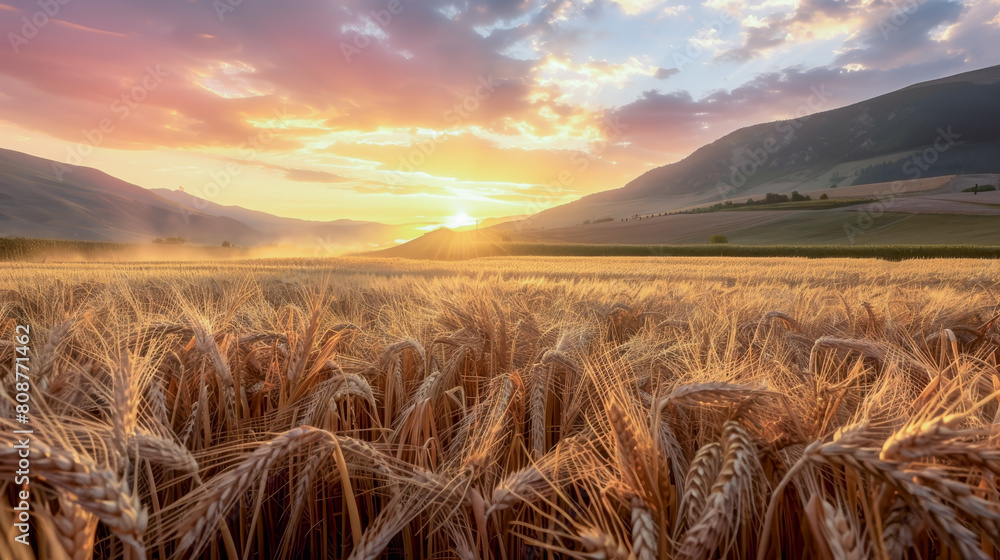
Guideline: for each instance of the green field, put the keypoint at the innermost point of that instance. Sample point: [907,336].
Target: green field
[886,252]
[817,204]
[37,250]
[891,228]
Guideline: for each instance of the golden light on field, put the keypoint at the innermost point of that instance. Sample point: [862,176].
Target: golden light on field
[637,408]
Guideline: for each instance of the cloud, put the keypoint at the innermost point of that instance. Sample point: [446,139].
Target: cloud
[898,35]
[672,123]
[756,42]
[490,11]
[310,176]
[381,187]
[792,24]
[734,7]
[633,7]
[421,68]
[668,126]
[664,73]
[293,173]
[225,75]
[513,92]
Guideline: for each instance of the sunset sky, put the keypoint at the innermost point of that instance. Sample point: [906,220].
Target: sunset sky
[418,111]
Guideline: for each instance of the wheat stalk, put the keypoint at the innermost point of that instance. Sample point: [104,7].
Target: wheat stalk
[96,490]
[163,452]
[701,477]
[644,532]
[604,546]
[75,529]
[722,511]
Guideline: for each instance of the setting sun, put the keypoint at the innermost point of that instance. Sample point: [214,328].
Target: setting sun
[459,220]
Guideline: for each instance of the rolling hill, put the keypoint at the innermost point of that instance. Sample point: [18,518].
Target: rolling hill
[294,231]
[869,142]
[446,244]
[40,199]
[931,211]
[89,205]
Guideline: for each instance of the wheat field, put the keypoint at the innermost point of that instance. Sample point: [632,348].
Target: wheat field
[506,408]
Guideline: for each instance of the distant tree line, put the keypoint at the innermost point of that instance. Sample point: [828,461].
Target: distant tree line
[879,173]
[769,198]
[774,198]
[980,188]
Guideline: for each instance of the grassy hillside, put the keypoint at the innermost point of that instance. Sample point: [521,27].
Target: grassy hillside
[817,204]
[45,199]
[890,228]
[872,141]
[886,252]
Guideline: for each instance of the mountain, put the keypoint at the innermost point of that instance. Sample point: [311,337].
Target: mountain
[868,142]
[42,198]
[505,222]
[948,210]
[447,245]
[45,199]
[294,231]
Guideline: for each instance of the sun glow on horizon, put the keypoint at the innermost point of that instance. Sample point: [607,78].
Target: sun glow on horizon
[401,132]
[459,220]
